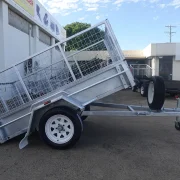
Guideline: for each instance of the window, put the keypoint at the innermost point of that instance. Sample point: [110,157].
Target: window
[43,37]
[18,22]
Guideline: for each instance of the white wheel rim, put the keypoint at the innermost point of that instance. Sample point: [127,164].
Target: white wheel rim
[59,129]
[142,90]
[151,92]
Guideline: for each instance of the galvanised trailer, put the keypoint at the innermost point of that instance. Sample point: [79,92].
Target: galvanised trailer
[142,74]
[51,92]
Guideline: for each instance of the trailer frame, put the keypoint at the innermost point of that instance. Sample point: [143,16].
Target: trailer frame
[38,98]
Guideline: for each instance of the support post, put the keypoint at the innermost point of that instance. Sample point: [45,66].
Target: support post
[19,94]
[177,121]
[78,66]
[52,54]
[67,63]
[22,82]
[35,29]
[4,104]
[3,34]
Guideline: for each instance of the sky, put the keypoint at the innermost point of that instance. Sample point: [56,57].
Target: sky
[136,23]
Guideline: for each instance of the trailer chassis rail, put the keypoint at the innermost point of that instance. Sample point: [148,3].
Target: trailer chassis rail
[131,110]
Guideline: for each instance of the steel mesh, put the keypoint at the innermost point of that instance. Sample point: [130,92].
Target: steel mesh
[11,93]
[41,74]
[141,70]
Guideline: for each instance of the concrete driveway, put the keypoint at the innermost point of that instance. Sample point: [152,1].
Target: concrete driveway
[110,148]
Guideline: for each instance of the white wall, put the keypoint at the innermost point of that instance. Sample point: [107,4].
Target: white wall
[133,54]
[163,49]
[177,57]
[41,46]
[16,48]
[43,59]
[3,33]
[147,51]
[160,49]
[176,70]
[155,66]
[15,45]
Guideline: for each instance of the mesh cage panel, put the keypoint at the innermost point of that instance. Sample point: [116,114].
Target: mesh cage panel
[12,94]
[85,54]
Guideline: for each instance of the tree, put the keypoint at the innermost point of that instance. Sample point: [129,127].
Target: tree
[75,27]
[86,39]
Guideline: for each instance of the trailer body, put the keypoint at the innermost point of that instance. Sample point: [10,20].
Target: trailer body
[52,91]
[143,73]
[53,77]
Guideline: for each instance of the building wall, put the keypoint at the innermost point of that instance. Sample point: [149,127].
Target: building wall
[176,64]
[155,66]
[176,70]
[16,49]
[147,51]
[157,50]
[177,57]
[17,42]
[163,49]
[3,33]
[41,46]
[133,54]
[17,46]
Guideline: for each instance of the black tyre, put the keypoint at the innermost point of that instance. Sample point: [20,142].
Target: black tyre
[87,108]
[156,93]
[143,90]
[134,88]
[60,128]
[177,125]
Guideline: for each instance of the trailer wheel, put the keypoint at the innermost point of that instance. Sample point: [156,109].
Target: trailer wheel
[60,128]
[134,88]
[143,90]
[156,93]
[177,125]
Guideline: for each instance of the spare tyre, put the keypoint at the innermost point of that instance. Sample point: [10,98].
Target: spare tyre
[156,93]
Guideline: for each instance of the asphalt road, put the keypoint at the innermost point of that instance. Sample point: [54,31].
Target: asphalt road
[110,148]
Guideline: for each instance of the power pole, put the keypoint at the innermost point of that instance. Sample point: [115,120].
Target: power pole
[170,32]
